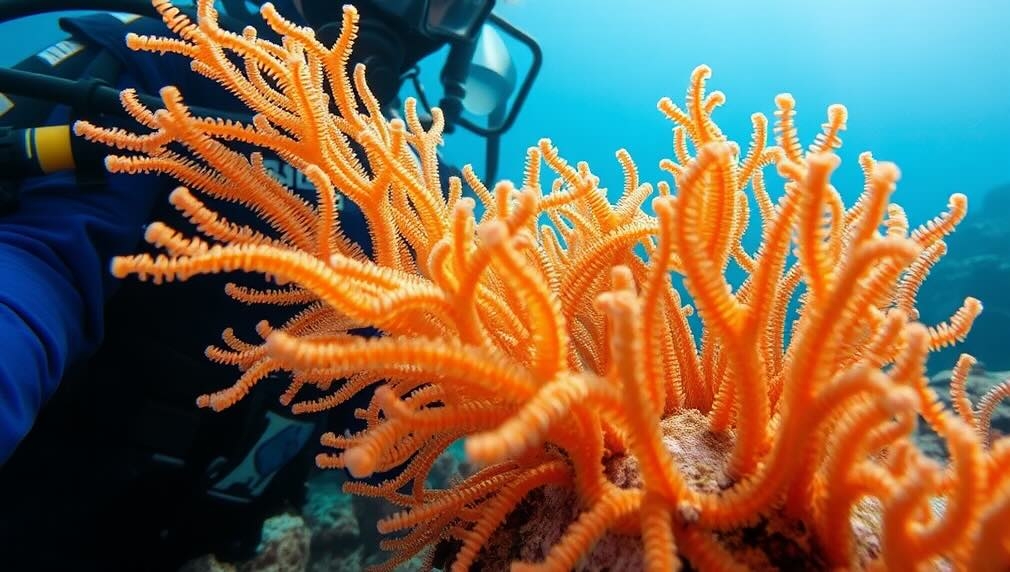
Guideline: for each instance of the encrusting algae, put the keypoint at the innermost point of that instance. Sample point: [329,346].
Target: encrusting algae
[563,353]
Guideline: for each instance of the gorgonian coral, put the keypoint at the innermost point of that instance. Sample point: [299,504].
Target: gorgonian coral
[559,352]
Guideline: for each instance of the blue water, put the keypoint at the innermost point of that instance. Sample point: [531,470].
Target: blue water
[926,83]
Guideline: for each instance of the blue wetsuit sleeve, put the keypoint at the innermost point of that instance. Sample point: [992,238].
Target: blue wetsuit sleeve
[54,281]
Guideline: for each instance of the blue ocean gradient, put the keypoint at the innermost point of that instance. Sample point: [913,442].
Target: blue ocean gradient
[926,82]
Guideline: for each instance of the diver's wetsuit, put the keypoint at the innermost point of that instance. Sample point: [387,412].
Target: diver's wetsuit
[121,471]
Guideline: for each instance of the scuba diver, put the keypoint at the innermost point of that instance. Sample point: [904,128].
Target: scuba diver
[105,461]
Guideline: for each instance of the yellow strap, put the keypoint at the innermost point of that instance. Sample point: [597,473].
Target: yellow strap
[52,145]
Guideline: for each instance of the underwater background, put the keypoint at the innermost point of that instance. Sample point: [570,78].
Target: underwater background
[926,84]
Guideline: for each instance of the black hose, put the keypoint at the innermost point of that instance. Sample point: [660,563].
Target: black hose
[88,96]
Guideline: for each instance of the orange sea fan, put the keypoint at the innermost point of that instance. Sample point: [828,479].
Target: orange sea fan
[559,352]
